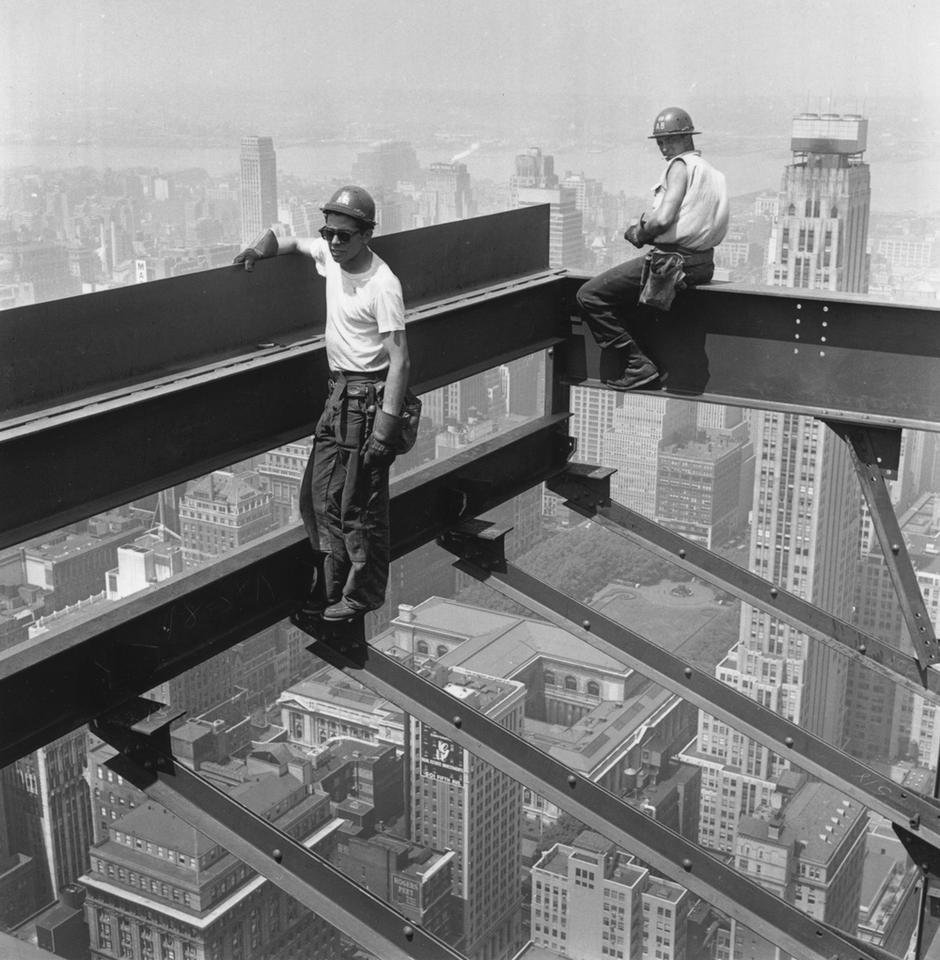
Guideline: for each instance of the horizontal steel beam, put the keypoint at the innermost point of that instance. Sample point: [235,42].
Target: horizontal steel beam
[667,852]
[902,806]
[830,355]
[583,497]
[137,643]
[116,339]
[67,463]
[301,873]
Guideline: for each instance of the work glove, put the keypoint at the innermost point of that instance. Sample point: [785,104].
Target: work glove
[379,449]
[265,246]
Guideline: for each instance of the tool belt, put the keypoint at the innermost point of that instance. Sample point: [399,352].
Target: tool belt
[371,387]
[664,274]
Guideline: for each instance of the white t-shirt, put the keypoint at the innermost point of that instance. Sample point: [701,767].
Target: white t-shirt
[360,307]
[703,215]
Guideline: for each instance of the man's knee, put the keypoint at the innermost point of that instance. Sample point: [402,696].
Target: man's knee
[587,297]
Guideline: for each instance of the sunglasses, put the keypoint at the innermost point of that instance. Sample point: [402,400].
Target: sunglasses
[344,236]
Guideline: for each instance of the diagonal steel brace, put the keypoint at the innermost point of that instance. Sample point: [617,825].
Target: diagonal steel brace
[899,804]
[587,492]
[666,851]
[871,469]
[142,735]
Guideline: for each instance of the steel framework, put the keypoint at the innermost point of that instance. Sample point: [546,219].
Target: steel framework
[131,363]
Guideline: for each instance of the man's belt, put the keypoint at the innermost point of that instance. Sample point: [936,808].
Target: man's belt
[690,258]
[353,375]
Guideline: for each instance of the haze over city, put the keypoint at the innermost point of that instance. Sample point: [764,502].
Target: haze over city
[572,77]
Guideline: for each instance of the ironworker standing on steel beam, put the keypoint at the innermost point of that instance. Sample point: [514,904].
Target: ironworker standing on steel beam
[344,493]
[688,217]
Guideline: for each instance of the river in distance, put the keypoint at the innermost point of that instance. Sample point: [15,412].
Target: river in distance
[897,185]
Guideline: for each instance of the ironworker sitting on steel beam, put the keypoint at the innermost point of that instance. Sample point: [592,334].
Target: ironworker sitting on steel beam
[687,219]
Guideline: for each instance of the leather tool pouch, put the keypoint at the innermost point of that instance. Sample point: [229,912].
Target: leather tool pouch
[663,275]
[410,417]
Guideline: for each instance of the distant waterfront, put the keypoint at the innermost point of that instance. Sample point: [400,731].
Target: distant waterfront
[897,185]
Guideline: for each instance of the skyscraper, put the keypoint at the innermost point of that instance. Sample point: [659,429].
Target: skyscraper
[820,233]
[48,812]
[460,803]
[258,185]
[535,182]
[446,195]
[807,505]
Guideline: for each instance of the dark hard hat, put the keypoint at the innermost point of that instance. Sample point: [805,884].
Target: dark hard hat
[354,202]
[670,122]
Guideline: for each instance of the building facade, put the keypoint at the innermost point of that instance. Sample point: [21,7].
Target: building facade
[258,187]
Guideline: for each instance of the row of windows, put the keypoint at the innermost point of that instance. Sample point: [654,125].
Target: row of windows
[592,688]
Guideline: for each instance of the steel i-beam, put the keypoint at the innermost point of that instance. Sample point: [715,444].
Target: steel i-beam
[666,851]
[863,447]
[902,806]
[586,490]
[155,635]
[145,760]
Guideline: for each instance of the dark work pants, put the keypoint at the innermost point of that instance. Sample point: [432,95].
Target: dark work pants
[344,504]
[608,300]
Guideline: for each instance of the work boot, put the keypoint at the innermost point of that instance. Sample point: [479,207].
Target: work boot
[343,610]
[639,372]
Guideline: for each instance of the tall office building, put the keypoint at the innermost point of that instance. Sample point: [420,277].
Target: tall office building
[820,234]
[565,224]
[807,505]
[157,888]
[533,182]
[807,847]
[640,428]
[460,803]
[384,164]
[804,538]
[258,186]
[221,511]
[48,815]
[585,896]
[446,195]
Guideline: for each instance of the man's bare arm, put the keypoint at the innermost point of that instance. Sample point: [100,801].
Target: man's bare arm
[399,369]
[665,215]
[302,245]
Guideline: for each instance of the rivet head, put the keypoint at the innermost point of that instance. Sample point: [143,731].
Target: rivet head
[862,648]
[409,931]
[682,554]
[277,855]
[572,780]
[788,741]
[774,593]
[895,548]
[586,624]
[688,671]
[687,864]
[458,722]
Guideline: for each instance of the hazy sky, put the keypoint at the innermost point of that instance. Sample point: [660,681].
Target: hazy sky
[54,54]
